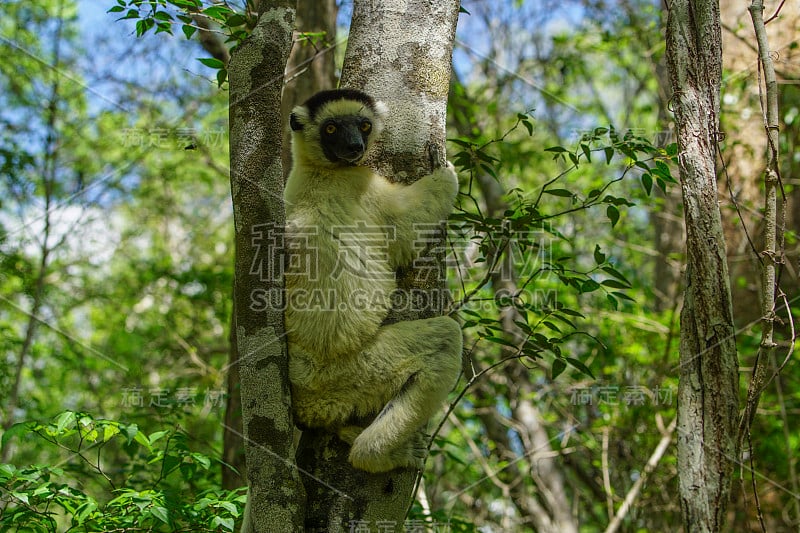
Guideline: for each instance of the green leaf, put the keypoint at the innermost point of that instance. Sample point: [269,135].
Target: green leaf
[647,182]
[500,340]
[565,320]
[558,367]
[110,431]
[131,14]
[84,510]
[528,126]
[609,154]
[613,215]
[164,27]
[589,285]
[557,149]
[616,273]
[526,329]
[90,434]
[44,489]
[489,170]
[143,25]
[560,192]
[225,523]
[218,13]
[573,158]
[623,296]
[130,431]
[483,156]
[222,76]
[599,257]
[614,284]
[67,418]
[462,142]
[156,435]
[20,428]
[7,471]
[202,460]
[187,4]
[235,20]
[160,513]
[662,170]
[22,496]
[141,438]
[551,326]
[230,507]
[671,149]
[211,62]
[586,152]
[580,366]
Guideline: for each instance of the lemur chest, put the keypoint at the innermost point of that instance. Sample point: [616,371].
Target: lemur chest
[339,280]
[339,239]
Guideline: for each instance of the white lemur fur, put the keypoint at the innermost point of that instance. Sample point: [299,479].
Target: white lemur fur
[348,230]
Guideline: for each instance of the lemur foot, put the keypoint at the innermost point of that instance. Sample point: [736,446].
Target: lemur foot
[410,454]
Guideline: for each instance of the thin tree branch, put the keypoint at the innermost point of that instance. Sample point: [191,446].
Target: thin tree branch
[633,493]
[771,257]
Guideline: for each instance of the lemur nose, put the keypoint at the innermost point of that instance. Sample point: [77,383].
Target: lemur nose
[355,146]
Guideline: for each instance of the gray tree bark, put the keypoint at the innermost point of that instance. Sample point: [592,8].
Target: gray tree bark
[708,389]
[400,53]
[308,70]
[256,68]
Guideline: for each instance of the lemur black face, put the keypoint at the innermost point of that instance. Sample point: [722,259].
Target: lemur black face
[344,139]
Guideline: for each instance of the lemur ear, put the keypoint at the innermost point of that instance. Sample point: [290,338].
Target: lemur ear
[381,109]
[295,123]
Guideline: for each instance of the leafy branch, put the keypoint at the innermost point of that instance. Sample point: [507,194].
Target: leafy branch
[497,239]
[28,495]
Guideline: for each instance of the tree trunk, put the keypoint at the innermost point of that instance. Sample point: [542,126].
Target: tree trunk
[410,72]
[309,69]
[276,499]
[708,390]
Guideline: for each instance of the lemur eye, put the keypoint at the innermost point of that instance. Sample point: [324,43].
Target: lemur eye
[330,129]
[366,126]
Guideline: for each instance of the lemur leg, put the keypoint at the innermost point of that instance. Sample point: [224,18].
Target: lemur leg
[426,355]
[405,373]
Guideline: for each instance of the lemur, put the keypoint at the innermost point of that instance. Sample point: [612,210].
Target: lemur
[348,231]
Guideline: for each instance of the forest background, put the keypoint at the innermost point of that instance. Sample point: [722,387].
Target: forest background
[116,271]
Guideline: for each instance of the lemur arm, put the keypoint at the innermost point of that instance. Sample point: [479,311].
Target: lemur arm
[414,210]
